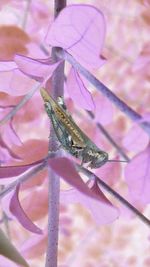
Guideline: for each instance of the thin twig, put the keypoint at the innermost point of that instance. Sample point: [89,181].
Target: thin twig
[23,101]
[28,174]
[24,177]
[26,13]
[120,104]
[116,195]
[109,138]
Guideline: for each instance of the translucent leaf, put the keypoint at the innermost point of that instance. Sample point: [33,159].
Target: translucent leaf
[40,70]
[110,172]
[91,197]
[100,211]
[34,245]
[137,175]
[103,109]
[136,139]
[12,171]
[7,153]
[18,212]
[78,91]
[12,80]
[79,29]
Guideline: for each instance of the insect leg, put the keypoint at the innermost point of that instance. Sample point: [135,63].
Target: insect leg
[61,103]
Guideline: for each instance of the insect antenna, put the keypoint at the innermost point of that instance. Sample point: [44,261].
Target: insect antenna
[115,160]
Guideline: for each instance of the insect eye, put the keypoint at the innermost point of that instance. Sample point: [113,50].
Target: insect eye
[103,156]
[101,159]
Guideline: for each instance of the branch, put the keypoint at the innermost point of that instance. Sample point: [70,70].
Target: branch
[26,13]
[54,180]
[89,174]
[23,101]
[26,176]
[109,138]
[120,104]
[115,194]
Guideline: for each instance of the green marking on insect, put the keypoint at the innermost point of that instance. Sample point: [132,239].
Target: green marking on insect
[71,137]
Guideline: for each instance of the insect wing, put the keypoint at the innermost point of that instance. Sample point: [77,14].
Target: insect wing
[59,115]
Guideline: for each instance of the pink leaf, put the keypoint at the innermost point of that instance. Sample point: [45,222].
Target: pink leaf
[137,175]
[3,3]
[110,172]
[103,109]
[19,213]
[8,138]
[12,171]
[40,70]
[6,156]
[101,212]
[34,245]
[126,213]
[147,3]
[143,61]
[5,262]
[9,135]
[11,78]
[79,29]
[6,152]
[64,168]
[78,92]
[136,139]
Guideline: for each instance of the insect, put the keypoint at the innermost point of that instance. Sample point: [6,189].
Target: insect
[71,137]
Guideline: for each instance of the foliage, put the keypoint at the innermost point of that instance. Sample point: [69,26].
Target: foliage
[26,65]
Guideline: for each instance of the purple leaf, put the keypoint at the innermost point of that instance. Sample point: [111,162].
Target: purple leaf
[137,175]
[89,197]
[12,171]
[5,262]
[11,78]
[103,109]
[101,212]
[78,91]
[34,245]
[40,70]
[79,29]
[6,152]
[9,135]
[136,139]
[18,212]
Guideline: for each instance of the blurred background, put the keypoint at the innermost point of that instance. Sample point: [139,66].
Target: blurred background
[82,242]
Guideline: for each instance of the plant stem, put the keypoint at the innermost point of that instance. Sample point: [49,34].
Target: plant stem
[109,138]
[54,180]
[26,13]
[23,101]
[120,104]
[24,177]
[115,194]
[89,174]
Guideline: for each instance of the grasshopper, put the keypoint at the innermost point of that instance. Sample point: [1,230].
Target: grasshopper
[71,137]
